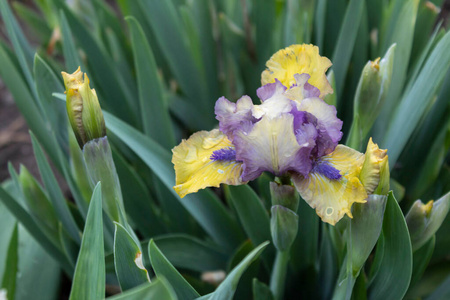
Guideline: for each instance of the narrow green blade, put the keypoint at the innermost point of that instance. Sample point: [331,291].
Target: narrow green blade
[89,277]
[253,216]
[414,103]
[227,288]
[163,268]
[345,44]
[71,56]
[27,221]
[154,106]
[55,194]
[196,255]
[55,111]
[22,49]
[10,274]
[128,260]
[394,275]
[158,289]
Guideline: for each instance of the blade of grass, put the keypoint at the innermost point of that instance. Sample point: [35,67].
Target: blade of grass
[22,49]
[394,274]
[227,288]
[414,103]
[345,44]
[158,289]
[163,268]
[55,194]
[71,55]
[89,277]
[196,255]
[11,268]
[154,108]
[27,221]
[128,260]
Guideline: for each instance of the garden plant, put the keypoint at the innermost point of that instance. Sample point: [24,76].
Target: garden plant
[238,149]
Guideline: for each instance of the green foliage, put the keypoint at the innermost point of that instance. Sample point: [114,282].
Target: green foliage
[158,67]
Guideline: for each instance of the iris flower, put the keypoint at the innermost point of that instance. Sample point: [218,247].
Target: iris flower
[293,132]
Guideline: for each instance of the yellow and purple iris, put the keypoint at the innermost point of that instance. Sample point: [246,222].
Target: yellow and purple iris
[293,132]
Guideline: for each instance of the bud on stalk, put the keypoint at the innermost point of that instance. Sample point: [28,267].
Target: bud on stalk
[88,124]
[284,227]
[424,220]
[370,96]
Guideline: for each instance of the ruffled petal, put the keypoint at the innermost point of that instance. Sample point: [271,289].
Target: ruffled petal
[194,167]
[231,115]
[298,59]
[328,123]
[332,197]
[375,159]
[269,90]
[271,145]
[302,89]
[274,106]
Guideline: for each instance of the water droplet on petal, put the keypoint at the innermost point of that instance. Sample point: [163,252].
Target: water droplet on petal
[210,142]
[191,155]
[220,171]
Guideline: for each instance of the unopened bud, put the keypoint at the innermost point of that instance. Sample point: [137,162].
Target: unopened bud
[425,219]
[370,96]
[83,108]
[284,227]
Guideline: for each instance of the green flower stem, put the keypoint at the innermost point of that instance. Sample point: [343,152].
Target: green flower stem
[278,277]
[284,227]
[101,167]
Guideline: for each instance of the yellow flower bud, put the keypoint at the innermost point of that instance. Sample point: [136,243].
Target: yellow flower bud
[83,108]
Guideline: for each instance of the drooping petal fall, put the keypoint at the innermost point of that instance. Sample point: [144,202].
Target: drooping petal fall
[194,167]
[298,59]
[332,194]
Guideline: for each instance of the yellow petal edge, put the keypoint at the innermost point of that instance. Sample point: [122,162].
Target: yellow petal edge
[298,59]
[375,160]
[194,168]
[334,198]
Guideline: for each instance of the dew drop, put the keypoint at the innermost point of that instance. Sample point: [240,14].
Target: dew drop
[191,155]
[329,211]
[220,171]
[210,142]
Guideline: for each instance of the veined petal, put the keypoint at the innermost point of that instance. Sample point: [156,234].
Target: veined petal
[332,198]
[298,59]
[194,167]
[271,145]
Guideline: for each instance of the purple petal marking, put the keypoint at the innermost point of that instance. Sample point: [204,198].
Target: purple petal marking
[224,154]
[326,170]
[269,90]
[327,124]
[308,89]
[232,116]
[272,146]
